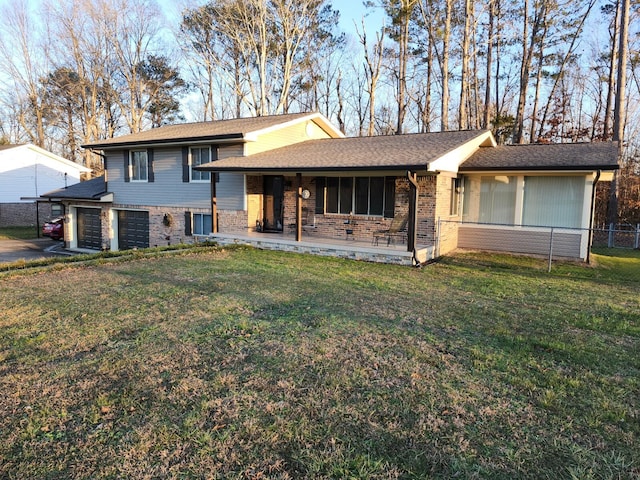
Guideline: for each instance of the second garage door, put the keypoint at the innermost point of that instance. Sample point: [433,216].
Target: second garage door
[89,228]
[133,229]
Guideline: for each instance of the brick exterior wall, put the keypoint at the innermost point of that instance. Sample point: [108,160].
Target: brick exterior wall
[448,234]
[336,225]
[426,209]
[233,220]
[23,214]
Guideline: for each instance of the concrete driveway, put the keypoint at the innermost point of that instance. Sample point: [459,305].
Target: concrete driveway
[14,250]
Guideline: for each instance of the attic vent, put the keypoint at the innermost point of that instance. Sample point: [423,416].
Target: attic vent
[309,129]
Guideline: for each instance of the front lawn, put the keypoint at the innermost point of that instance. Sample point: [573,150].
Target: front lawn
[240,363]
[18,233]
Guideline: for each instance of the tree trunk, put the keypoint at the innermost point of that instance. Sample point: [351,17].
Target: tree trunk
[611,83]
[403,57]
[619,110]
[536,97]
[444,122]
[486,112]
[464,81]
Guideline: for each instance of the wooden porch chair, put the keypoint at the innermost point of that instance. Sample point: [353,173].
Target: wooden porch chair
[397,228]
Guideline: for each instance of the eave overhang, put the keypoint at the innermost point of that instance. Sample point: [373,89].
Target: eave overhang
[218,139]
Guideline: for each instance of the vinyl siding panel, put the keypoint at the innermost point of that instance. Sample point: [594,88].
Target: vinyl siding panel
[520,240]
[233,150]
[168,189]
[289,135]
[230,191]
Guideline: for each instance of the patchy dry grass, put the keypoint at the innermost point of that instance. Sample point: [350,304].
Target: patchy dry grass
[18,233]
[250,364]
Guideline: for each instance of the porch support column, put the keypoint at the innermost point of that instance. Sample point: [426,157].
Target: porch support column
[214,204]
[298,207]
[412,226]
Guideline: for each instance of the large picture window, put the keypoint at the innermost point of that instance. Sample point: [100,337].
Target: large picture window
[498,199]
[553,201]
[360,195]
[139,166]
[199,156]
[539,201]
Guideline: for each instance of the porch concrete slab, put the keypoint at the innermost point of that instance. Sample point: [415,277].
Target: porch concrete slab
[330,247]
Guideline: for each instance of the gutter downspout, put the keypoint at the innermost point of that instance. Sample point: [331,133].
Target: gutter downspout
[593,212]
[214,203]
[413,217]
[104,167]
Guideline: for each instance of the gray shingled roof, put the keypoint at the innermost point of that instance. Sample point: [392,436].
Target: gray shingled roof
[89,190]
[217,130]
[392,152]
[561,156]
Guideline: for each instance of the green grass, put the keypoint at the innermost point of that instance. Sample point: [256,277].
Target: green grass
[18,233]
[239,363]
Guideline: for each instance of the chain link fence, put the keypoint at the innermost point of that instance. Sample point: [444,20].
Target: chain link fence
[609,253]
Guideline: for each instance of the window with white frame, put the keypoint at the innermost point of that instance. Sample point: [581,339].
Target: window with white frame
[202,224]
[199,156]
[544,201]
[139,166]
[57,210]
[454,205]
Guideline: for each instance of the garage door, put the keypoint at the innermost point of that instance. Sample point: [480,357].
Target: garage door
[89,228]
[133,229]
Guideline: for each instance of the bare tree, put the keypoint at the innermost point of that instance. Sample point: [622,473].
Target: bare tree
[464,77]
[24,60]
[373,57]
[619,109]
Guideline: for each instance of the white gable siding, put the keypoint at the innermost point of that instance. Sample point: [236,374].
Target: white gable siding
[27,173]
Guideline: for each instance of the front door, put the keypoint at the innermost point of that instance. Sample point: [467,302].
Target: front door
[273,202]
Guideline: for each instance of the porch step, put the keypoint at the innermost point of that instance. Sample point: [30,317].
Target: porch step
[328,248]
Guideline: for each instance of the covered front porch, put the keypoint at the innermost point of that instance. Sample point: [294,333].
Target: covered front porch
[355,249]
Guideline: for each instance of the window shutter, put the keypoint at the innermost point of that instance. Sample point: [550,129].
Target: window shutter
[185,164]
[214,157]
[151,176]
[389,196]
[127,174]
[187,224]
[320,181]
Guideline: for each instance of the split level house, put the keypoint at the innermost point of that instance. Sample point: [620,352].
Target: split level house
[296,182]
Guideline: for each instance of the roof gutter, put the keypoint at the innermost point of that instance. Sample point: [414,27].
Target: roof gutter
[229,138]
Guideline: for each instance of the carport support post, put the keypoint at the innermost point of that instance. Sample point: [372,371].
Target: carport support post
[298,207]
[214,204]
[412,227]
